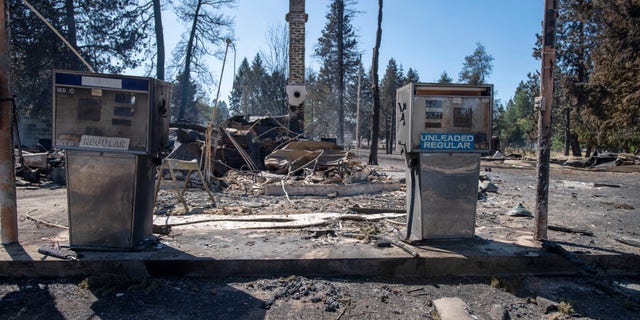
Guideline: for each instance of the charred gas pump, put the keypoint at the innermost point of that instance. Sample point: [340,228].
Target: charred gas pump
[442,129]
[112,128]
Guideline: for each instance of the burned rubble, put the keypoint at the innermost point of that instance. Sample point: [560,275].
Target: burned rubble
[306,187]
[250,155]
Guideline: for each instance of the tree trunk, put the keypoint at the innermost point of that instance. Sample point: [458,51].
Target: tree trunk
[387,134]
[157,15]
[341,74]
[72,34]
[186,79]
[567,130]
[393,127]
[375,122]
[575,146]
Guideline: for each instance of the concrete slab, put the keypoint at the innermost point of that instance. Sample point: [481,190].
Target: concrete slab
[222,253]
[502,246]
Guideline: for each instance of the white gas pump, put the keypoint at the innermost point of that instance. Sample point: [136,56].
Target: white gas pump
[112,128]
[442,129]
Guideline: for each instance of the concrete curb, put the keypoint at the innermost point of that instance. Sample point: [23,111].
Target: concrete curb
[548,264]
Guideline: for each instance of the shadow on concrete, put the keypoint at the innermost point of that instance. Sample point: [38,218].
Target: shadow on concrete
[16,252]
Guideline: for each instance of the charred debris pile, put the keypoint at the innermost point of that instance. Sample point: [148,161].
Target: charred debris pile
[262,149]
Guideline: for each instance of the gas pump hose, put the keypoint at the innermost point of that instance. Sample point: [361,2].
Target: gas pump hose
[413,163]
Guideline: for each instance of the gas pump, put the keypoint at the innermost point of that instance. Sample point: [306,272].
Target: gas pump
[442,129]
[112,129]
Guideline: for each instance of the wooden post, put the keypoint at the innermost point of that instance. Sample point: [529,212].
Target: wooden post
[8,211]
[544,119]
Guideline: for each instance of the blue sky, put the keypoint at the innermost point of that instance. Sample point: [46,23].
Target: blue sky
[430,36]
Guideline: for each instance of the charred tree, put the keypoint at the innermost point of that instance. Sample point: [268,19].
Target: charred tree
[375,122]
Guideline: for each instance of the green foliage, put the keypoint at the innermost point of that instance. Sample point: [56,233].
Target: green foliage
[337,49]
[258,91]
[366,105]
[192,114]
[445,78]
[238,98]
[391,81]
[109,34]
[221,111]
[516,125]
[616,72]
[320,115]
[476,67]
[599,64]
[207,33]
[557,142]
[412,76]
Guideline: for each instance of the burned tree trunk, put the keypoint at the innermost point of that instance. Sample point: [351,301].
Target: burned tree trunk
[375,122]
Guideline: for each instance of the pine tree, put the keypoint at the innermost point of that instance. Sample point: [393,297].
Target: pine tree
[476,67]
[375,88]
[256,91]
[209,28]
[191,113]
[365,104]
[576,36]
[445,78]
[238,98]
[518,117]
[616,73]
[391,81]
[412,76]
[256,84]
[109,35]
[337,49]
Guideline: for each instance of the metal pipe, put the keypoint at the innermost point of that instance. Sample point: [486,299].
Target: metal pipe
[224,60]
[208,172]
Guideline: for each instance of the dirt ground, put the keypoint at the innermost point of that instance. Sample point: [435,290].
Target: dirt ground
[303,298]
[601,202]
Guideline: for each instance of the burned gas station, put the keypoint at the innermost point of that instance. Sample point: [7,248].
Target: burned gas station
[131,179]
[125,192]
[278,204]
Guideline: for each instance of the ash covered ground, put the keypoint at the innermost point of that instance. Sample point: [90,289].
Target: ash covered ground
[602,203]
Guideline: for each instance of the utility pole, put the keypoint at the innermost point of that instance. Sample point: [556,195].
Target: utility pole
[8,211]
[544,119]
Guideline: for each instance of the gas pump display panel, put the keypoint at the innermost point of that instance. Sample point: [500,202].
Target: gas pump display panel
[444,118]
[101,112]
